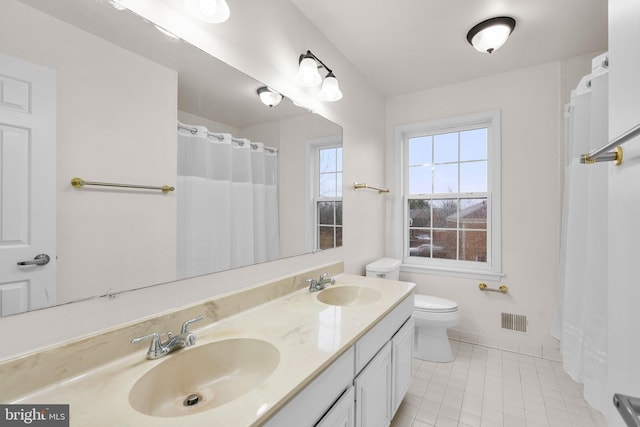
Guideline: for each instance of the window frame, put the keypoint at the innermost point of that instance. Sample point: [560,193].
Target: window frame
[314,146]
[492,268]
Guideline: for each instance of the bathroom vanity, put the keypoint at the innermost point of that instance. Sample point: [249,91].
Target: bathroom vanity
[340,356]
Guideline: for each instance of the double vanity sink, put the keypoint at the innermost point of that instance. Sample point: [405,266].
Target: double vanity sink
[241,370]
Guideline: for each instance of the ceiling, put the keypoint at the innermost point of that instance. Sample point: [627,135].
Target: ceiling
[410,45]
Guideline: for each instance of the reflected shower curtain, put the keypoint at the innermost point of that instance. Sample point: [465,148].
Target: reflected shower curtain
[227,202]
[581,315]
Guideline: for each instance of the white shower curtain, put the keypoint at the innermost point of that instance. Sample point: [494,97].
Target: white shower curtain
[227,203]
[581,314]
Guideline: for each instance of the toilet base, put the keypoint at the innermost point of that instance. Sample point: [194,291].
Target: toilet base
[432,345]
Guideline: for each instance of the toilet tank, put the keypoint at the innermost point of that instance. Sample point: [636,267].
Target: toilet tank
[384,268]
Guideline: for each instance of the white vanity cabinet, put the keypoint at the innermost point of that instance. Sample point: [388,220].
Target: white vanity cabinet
[382,384]
[364,386]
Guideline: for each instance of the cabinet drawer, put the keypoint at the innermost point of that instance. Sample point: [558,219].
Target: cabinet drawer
[372,341]
[306,408]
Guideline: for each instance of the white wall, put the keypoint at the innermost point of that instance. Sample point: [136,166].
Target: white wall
[115,112]
[269,55]
[530,101]
[624,203]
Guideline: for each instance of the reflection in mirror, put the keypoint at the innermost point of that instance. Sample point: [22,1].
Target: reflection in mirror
[110,89]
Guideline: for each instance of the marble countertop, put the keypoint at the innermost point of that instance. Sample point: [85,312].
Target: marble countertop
[309,335]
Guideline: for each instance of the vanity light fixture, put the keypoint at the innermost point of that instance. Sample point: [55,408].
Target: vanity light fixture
[309,76]
[211,11]
[489,35]
[268,96]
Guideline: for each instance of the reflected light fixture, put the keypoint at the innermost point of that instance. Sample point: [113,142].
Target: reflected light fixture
[309,76]
[211,11]
[489,35]
[268,96]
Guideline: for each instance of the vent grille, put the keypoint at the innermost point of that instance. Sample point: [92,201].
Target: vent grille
[514,322]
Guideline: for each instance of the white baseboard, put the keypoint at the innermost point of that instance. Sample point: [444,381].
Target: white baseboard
[513,345]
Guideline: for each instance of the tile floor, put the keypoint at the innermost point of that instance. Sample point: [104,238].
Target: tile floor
[486,387]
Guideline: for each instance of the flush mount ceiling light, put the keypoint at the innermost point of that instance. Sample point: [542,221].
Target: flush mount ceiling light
[268,96]
[309,76]
[211,11]
[489,35]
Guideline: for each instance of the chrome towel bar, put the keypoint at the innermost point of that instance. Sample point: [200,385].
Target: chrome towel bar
[79,183]
[603,154]
[629,408]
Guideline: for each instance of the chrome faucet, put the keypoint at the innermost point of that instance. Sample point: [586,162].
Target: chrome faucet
[158,349]
[318,285]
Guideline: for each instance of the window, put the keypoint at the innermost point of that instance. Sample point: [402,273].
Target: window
[450,205]
[326,179]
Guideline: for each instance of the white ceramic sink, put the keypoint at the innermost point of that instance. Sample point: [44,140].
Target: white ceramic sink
[349,295]
[204,377]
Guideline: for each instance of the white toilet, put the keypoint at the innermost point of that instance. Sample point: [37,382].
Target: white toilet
[432,316]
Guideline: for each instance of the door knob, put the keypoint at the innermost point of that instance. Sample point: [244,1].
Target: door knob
[41,259]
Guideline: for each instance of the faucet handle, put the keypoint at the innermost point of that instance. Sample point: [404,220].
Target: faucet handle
[312,283]
[155,347]
[185,325]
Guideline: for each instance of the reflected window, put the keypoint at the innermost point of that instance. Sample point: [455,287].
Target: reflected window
[451,193]
[328,196]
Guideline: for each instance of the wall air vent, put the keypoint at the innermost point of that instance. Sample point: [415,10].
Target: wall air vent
[514,322]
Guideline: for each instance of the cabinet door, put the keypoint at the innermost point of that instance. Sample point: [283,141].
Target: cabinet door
[342,414]
[402,358]
[373,391]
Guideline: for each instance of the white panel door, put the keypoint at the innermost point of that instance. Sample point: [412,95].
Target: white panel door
[342,413]
[373,391]
[27,185]
[402,358]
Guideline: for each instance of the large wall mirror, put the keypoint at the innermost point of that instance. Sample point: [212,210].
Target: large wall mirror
[103,91]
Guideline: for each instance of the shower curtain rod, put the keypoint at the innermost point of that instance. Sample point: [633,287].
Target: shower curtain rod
[240,142]
[603,154]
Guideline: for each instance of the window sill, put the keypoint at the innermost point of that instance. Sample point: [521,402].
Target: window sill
[440,271]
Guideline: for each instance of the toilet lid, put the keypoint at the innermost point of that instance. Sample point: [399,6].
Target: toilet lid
[429,303]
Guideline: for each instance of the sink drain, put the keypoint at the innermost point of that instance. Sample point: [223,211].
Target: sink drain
[192,399]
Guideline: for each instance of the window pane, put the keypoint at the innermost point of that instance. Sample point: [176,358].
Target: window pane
[473,245]
[328,185]
[473,213]
[445,178]
[445,213]
[325,237]
[420,243]
[325,213]
[445,244]
[473,144]
[339,213]
[445,147]
[473,177]
[419,213]
[328,160]
[420,150]
[339,159]
[420,180]
[339,184]
[338,236]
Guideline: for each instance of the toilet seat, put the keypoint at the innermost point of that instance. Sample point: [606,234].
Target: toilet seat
[431,304]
